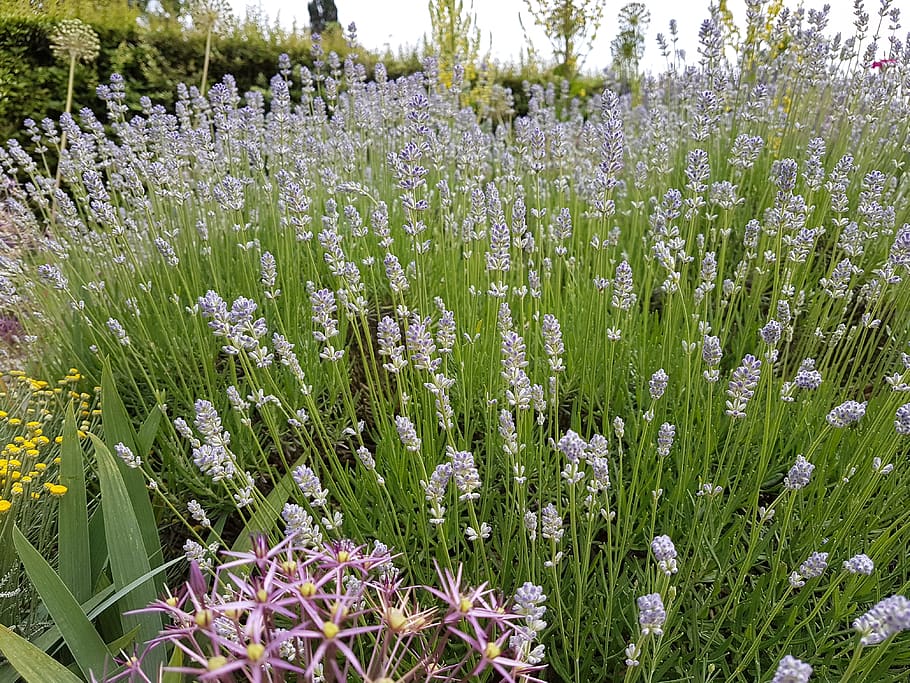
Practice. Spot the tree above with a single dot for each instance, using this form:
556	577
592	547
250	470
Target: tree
455	38
322	13
570	26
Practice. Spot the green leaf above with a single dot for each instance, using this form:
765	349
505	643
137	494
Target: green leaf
97	543
175	662
80	636
74	565
127	552
33	665
123	641
264	515
118	429
148	431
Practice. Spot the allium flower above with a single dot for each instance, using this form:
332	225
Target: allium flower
665	554
74	39
651	614
859	564
886	618
799	475
792	670
846	413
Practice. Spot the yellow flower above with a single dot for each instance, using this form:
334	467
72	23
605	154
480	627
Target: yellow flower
42	440
56	490
33	425
5	505
17	489
58	439
35	495
3	414
26	479
15	421
32	452
40	466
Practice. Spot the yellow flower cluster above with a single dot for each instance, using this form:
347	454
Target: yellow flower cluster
29	458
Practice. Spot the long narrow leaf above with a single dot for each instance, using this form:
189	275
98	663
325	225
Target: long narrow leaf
33	665
81	638
117	429
145	439
264	515
74	565
128	555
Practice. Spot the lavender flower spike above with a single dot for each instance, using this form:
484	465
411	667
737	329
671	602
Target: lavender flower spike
792	670
886	618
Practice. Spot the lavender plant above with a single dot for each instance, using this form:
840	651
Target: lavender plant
652	360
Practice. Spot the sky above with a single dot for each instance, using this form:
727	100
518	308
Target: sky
396	23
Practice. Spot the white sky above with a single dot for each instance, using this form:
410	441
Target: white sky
396	23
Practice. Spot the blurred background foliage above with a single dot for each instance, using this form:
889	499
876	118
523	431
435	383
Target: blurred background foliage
156	44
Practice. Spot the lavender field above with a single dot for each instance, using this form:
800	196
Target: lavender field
360	382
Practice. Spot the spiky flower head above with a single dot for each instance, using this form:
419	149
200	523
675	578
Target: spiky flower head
72	38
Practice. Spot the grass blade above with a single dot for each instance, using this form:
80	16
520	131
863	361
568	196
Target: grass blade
145	439
128	555
33	665
81	638
117	429
74	565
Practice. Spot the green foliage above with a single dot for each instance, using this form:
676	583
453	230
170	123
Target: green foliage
571	27
322	14
454	38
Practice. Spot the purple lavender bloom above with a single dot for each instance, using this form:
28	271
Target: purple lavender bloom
407	433
799	475
651	614
657	385
572	446
807	377
859	564
885	619
665	554
902	420
465	474
742	386
770	333
792	670
665	436
847	413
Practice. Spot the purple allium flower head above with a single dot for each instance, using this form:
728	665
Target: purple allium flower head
799	475
651	614
846	413
883	620
859	564
792	670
